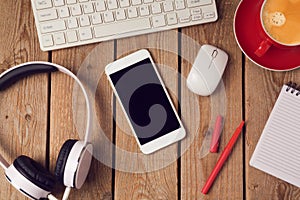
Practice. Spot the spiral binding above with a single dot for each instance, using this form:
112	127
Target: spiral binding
292	87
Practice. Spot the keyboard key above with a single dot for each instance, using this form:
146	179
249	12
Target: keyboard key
108	16
156	9
84	20
136	2
53	26
195	3
179	4
124	3
88	8
64	12
47	40
158	21
184	19
72	23
148	1
132	12
122	27
71	1
112	4
59	38
100	5
184	16
168	6
208	15
96	18
120	14
144	10
196	11
85	34
42	4
76	10
196	17
58	2
45	15
72	36
171	18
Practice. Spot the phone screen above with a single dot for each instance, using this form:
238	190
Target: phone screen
145	102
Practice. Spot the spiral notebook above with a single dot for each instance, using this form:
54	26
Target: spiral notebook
278	149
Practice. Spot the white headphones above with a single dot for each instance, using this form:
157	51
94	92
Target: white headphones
74	159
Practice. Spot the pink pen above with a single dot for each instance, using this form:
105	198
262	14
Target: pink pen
214	145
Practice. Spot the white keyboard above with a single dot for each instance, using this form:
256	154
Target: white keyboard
67	23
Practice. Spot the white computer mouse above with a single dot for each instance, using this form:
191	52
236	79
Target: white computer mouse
207	70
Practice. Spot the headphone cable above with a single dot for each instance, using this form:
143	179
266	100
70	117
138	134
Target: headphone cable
66	193
51	197
3	163
65	196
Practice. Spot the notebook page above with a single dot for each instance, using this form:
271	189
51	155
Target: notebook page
278	149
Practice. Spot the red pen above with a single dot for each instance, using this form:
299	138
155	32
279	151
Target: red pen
225	154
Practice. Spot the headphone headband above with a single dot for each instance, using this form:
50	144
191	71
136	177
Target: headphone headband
9	77
12	75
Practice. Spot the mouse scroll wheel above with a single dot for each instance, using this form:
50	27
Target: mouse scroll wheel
214	53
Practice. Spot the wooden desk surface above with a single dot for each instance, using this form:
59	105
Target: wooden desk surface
36	113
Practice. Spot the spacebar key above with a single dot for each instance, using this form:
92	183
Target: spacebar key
122	27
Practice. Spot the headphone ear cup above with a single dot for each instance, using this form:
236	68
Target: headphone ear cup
62	159
34	172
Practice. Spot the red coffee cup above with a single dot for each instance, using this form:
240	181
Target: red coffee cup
249	34
267	39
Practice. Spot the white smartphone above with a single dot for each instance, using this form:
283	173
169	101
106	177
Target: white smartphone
144	99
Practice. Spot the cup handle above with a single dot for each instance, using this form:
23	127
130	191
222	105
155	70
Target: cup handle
263	48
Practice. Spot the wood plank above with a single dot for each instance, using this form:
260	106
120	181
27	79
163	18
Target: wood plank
262	89
24	105
195	169
99	181
161	184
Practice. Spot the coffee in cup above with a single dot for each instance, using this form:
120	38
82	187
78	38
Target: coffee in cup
280	20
